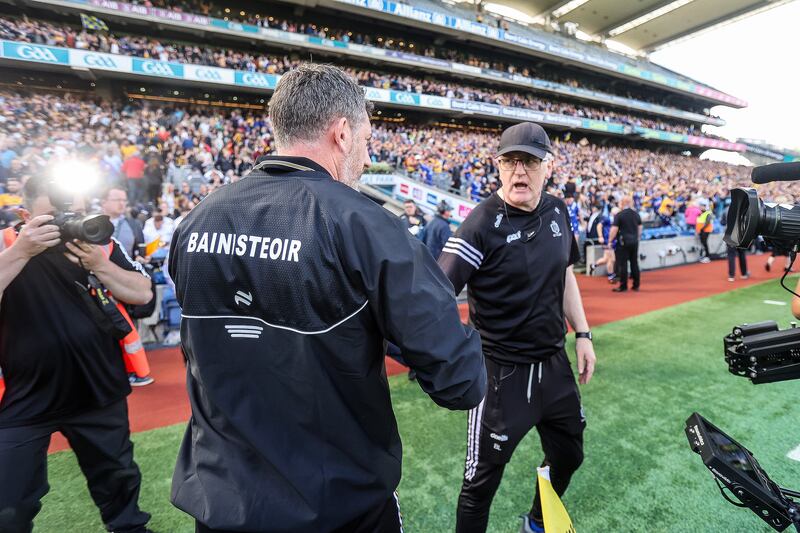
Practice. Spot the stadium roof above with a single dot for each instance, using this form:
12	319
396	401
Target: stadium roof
643	25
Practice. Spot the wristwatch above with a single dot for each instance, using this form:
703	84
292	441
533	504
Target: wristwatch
583	335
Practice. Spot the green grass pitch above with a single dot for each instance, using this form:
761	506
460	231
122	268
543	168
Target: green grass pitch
639	474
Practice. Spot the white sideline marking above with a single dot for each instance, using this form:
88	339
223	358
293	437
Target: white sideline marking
774	302
794	455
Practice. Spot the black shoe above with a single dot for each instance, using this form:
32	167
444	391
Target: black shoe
767	267
636	289
412	375
619	289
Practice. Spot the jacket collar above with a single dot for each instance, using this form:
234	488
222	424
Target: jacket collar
273	164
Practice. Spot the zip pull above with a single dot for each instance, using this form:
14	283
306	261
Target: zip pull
540	372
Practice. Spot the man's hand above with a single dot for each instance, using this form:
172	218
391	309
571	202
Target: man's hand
89	256
37	236
586	360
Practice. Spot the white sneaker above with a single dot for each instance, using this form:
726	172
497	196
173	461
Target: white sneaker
731	279
136	381
705	260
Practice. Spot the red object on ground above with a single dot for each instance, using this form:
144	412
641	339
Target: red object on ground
165	402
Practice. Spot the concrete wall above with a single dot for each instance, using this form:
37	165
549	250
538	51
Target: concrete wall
660	253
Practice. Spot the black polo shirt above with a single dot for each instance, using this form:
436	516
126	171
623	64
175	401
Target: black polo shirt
628	222
55	360
514	264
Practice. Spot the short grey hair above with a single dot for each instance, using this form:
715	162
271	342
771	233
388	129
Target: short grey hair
310	97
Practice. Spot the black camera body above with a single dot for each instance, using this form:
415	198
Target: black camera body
760	352
763	353
734	467
92	229
749	216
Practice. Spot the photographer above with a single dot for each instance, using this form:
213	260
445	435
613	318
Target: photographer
63	367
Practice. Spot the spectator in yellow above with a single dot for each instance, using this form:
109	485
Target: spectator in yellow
11	198
703	227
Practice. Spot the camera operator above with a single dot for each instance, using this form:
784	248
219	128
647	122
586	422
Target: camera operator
63	368
796	301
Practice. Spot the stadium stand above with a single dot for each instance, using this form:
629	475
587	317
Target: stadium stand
193	142
60	35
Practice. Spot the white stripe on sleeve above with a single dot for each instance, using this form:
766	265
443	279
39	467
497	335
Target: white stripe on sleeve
462	255
468	246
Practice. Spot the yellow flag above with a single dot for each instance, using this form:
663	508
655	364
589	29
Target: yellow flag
556	519
151	247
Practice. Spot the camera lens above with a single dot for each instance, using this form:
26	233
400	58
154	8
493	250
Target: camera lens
93	229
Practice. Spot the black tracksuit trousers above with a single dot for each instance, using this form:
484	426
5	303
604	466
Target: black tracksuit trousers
542	395
101	441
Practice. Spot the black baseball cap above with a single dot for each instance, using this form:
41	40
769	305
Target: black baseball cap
525	137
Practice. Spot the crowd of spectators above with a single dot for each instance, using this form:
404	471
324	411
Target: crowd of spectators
55	35
170	158
392	42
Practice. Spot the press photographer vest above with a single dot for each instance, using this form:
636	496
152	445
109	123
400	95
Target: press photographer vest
132	349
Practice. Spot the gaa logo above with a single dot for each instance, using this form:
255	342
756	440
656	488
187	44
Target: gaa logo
36	53
435	101
373	94
255	80
208	74
404	98
156	68
94	60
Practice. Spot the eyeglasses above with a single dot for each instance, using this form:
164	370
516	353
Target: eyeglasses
527	164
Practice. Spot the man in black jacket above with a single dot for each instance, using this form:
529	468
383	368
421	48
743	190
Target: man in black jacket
291	282
438	229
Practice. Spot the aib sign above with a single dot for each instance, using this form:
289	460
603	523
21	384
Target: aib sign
31	52
157	68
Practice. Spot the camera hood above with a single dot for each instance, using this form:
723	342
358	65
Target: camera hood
743	218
